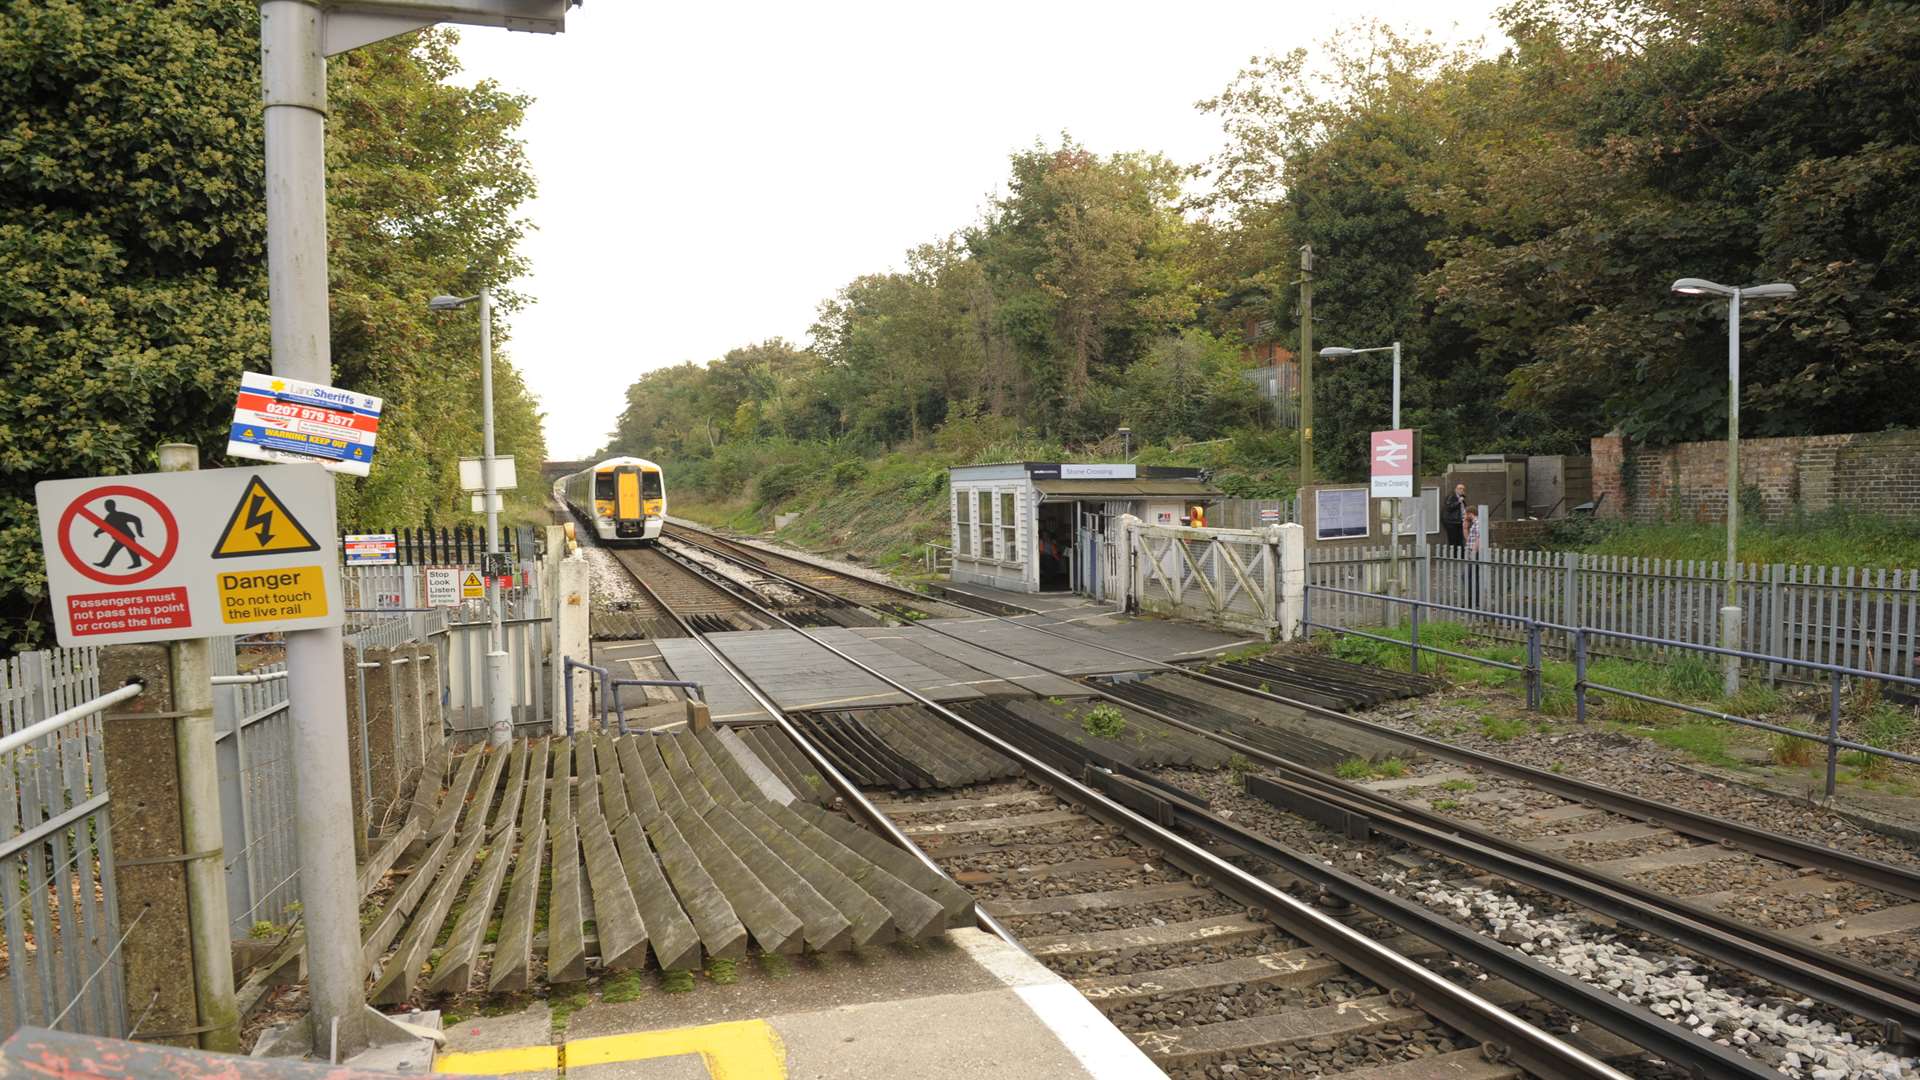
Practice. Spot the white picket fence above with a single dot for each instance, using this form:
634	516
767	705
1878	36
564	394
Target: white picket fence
1850	616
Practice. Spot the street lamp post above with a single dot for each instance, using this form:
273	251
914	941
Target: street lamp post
499	705
1126	444
1393	529
1730	612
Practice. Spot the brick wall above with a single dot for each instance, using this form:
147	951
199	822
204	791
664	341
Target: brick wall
1529	534
1876	473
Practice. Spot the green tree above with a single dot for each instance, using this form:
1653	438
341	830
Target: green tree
132	233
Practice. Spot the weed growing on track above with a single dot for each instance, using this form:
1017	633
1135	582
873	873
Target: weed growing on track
1446	805
1502	729
1458	785
1104	722
1353	769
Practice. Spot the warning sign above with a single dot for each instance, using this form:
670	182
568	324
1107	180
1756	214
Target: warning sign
472	587
443	587
257	596
260	525
145	558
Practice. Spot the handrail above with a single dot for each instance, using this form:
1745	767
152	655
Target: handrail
242	680
61	719
620	712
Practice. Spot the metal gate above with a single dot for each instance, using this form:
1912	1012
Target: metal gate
1227	577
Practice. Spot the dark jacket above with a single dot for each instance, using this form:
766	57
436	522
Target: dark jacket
1453	511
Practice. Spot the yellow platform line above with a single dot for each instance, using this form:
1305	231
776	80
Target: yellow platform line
736	1050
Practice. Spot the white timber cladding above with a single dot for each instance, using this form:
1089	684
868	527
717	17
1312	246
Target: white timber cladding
991	514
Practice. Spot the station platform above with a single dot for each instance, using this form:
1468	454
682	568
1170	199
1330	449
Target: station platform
963	1005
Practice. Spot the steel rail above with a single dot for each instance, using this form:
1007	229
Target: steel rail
848	790
1888	877
1874	995
1877	996
1535	1049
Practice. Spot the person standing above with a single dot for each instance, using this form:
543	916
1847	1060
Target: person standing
1472	537
1452	516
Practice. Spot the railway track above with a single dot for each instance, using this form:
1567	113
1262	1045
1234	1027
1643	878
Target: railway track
678	599
1881	999
831	585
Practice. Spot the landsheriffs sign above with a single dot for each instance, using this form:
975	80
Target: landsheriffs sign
280	419
190	554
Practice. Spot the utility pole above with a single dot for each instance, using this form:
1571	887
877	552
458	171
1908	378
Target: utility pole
296	37
294	81
1306	370
499	678
1730	612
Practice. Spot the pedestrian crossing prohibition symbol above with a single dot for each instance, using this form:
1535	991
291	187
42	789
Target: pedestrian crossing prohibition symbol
118	535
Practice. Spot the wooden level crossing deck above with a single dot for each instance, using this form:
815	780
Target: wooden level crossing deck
599	852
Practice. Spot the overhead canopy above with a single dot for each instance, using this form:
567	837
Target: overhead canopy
1126	489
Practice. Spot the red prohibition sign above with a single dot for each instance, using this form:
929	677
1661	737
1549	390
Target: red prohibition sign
154	562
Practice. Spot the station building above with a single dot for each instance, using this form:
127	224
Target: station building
1029	526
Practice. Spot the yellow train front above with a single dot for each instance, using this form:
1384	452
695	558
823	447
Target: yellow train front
620	499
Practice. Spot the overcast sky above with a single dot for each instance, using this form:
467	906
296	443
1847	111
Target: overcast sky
710	172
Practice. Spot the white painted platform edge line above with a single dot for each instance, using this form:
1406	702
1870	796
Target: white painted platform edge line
1084	1030
1086	1033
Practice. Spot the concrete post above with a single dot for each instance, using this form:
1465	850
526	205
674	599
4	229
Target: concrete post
150	871
356	728
572	592
200	828
699	717
1293	579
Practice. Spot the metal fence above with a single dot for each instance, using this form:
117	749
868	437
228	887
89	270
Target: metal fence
253	743
60	920
1581	642
1252	513
1798	616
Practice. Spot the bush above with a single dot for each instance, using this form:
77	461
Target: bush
848	473
778	483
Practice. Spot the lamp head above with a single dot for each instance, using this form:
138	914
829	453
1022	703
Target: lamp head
1332	351
1693	286
450	303
1778	290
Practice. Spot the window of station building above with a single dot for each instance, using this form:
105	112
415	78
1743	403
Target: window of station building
1009	528
986	524
963	523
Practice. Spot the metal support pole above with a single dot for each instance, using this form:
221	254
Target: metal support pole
200	829
499	678
1580	673
1306	369
1730	614
1414	636
1533	666
1833	734
294	86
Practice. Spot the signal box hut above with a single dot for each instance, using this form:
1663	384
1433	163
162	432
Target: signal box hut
1029	526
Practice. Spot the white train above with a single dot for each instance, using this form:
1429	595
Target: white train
620	499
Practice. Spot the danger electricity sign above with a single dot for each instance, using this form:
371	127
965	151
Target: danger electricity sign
190	554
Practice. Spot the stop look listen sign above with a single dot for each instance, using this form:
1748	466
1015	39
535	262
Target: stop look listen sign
162	556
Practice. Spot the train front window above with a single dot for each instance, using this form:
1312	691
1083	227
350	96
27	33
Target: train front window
603	486
649	485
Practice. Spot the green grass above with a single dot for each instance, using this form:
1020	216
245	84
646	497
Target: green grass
1703	739
676	982
1458	785
1501	729
1446	805
1353	769
1835	538
722	971
621	988
564	1006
